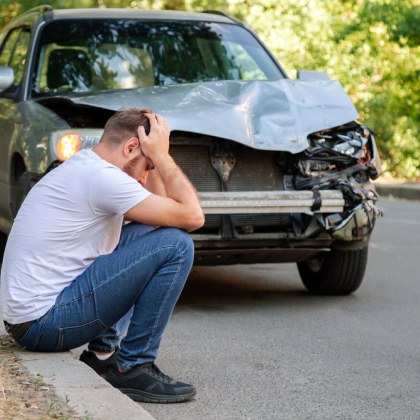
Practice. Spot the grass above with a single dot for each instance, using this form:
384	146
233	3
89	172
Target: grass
23	395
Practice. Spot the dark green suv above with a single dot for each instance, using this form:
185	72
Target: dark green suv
282	166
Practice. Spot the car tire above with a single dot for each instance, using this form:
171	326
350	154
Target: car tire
338	272
20	191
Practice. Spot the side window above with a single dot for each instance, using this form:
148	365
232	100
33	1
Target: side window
8	47
17	62
14	52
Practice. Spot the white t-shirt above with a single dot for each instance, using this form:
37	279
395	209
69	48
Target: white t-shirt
69	218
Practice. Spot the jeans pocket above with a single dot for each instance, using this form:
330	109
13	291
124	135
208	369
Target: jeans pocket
72	337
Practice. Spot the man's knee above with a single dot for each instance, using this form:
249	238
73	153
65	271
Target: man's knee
181	240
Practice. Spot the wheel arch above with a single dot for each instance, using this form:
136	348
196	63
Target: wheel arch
17	167
20	182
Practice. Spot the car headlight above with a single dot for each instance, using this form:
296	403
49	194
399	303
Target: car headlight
65	143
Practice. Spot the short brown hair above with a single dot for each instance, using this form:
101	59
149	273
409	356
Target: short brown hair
124	124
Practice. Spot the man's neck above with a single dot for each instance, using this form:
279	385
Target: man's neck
110	156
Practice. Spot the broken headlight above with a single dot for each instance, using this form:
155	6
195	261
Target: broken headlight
65	143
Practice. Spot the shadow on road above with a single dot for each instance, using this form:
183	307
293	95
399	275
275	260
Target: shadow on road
238	287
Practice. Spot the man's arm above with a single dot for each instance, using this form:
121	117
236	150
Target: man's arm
154	183
181	207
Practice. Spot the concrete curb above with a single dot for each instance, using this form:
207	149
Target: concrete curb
405	190
87	393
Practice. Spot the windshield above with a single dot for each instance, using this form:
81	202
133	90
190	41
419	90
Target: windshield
98	55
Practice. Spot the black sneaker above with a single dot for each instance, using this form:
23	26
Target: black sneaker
146	383
99	366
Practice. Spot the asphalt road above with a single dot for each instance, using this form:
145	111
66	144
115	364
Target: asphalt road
258	346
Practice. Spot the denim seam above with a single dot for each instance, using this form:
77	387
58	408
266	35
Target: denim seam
62	330
165	298
58	305
42	321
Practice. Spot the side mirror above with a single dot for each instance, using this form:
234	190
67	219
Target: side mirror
312	75
6	78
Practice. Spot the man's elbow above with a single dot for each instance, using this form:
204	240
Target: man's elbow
196	221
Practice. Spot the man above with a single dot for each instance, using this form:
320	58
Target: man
72	273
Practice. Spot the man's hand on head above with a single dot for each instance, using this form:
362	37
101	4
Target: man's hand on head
155	145
174	201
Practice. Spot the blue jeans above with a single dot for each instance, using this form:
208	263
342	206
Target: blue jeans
130	292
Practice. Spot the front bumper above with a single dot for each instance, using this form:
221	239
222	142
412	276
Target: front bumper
300	242
327	201
213	249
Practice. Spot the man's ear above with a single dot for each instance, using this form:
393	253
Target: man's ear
132	145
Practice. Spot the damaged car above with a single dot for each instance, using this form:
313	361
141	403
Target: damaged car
282	167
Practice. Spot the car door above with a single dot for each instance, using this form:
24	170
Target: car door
13	53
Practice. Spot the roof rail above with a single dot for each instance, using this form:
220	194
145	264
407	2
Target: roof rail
219	12
41	9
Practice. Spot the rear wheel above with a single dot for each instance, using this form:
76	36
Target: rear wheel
339	272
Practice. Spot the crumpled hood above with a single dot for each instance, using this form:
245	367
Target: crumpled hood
268	115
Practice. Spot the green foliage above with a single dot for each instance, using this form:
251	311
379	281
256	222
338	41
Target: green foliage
371	46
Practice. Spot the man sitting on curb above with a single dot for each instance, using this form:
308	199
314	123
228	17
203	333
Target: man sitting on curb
72	273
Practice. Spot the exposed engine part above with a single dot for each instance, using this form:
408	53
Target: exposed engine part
223	160
313	168
328	180
351	145
339	159
341	147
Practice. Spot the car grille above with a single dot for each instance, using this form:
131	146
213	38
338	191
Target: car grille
254	170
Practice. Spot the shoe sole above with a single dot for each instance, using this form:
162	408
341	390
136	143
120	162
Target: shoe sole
141	396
